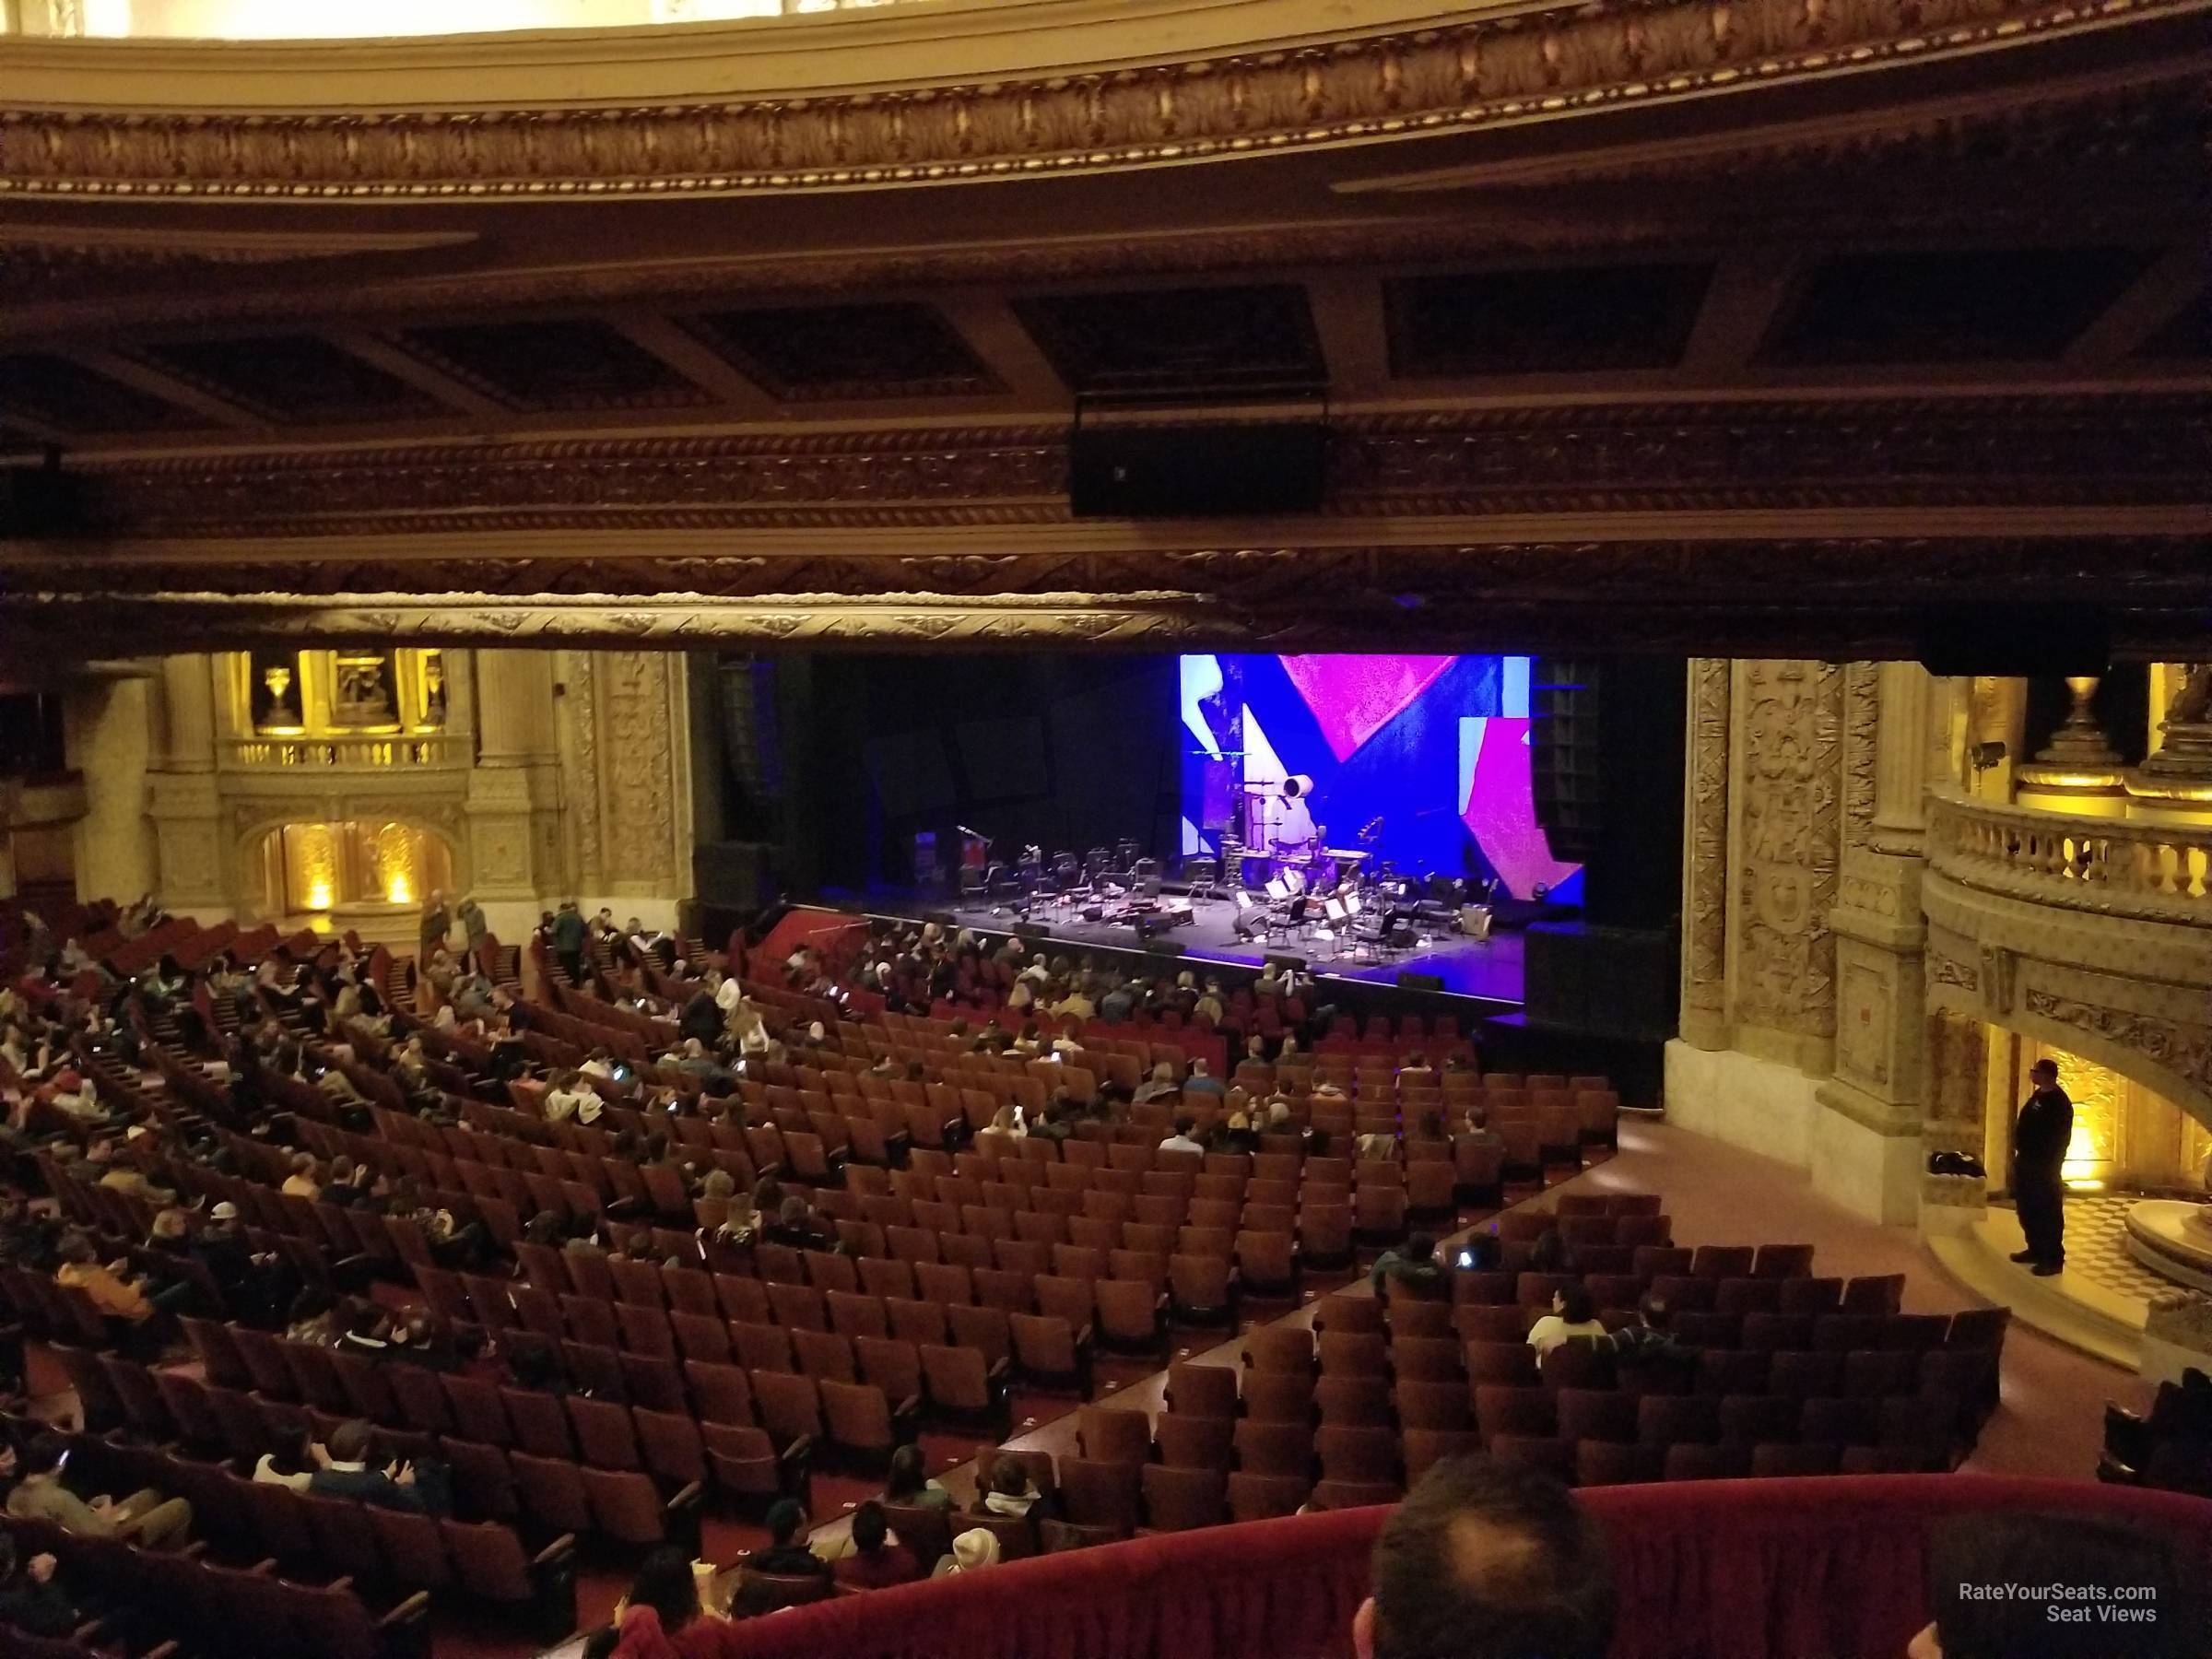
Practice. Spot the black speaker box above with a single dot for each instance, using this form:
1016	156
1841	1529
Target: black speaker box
38	503
1296	964
1420	981
1612	982
732	875
1029	930
2010	638
1194	469
1162	948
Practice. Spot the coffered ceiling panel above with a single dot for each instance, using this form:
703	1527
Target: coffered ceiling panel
554	363
1983	305
293	377
1181	340
1573	320
822	353
58	393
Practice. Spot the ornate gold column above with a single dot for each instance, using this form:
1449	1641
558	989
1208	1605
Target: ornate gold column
109	729
624	726
182	795
1705	857
514	790
1788	835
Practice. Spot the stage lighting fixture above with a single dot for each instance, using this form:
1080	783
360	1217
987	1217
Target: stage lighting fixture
1297	784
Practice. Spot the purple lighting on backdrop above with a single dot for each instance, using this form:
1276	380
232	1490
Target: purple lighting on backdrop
1423	761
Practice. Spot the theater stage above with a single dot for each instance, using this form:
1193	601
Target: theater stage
1484	972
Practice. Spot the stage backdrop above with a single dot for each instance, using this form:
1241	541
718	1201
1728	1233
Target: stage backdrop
1422	760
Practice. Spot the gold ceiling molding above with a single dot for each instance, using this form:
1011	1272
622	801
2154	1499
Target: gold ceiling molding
1838	596
1493	71
171	244
2124	450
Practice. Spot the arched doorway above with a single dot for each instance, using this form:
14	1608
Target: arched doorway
362	873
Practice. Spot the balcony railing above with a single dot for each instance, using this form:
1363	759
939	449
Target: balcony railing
365	754
2155	872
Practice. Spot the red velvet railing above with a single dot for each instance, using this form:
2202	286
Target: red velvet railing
1820	1568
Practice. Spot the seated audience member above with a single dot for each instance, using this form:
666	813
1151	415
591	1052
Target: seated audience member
1649	1339
972	1551
114	1295
1161	1083
1008	1490
877	1559
1202	1081
302	1181
293	1467
787	1551
1414	1268
1007	1124
908	1482
1570	1316
1183	1139
346	1471
1548	1253
660	1618
1234	1134
1487	1560
798	1228
145	1517
2075	1564
31	1598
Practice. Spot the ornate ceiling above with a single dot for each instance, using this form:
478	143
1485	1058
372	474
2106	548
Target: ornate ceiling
1765	327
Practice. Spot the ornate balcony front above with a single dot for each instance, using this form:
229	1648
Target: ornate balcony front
367	754
2153	872
2091	934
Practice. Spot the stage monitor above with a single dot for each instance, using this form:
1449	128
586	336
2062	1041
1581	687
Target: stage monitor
1420	981
1296	964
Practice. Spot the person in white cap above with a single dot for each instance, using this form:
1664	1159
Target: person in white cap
972	1551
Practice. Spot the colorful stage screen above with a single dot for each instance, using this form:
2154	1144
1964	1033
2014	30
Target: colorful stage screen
1423	761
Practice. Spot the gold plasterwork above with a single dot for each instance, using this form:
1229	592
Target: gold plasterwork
1494	71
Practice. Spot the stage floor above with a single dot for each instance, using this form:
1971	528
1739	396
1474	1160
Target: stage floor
1486	970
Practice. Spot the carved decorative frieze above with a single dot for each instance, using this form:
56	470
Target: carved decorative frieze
578	672
1861	715
1994	452
1790	844
1705	902
1949	971
2184	1051
638	715
1503	69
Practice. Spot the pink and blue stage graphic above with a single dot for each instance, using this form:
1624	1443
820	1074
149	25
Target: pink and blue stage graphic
1420	760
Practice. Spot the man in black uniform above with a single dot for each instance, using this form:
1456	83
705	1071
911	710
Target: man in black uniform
2040	1138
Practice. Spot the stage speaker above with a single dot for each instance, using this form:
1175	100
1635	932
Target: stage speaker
1094	913
1609	982
1296	964
1162	948
1029	930
731	875
1197	469
1410	981
1566	755
2015	640
39	502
